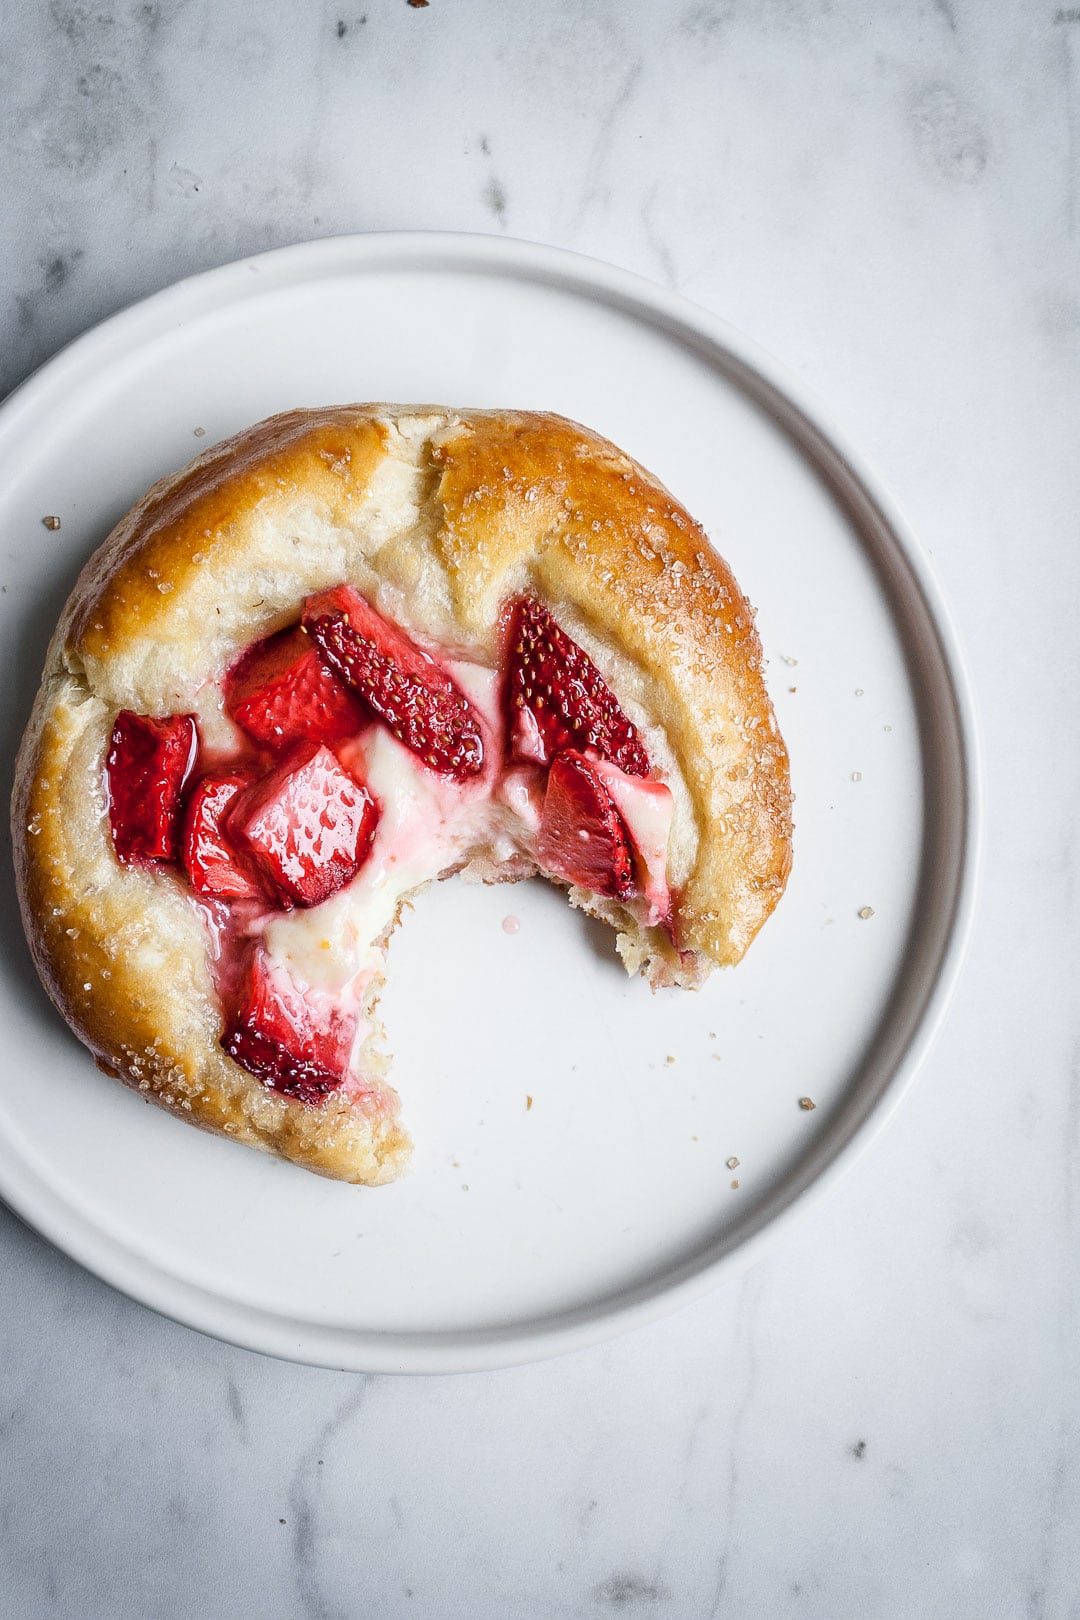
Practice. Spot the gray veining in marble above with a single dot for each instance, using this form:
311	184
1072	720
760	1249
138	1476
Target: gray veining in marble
882	1420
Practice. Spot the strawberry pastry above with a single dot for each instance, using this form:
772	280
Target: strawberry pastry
341	655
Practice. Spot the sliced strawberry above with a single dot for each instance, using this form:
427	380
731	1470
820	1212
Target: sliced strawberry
295	1042
282	694
210	858
308	825
397	680
559	699
146	767
582	838
645	808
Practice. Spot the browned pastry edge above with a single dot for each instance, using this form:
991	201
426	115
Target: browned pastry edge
520	501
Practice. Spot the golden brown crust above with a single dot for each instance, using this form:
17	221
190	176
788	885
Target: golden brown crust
598	535
123	954
443	515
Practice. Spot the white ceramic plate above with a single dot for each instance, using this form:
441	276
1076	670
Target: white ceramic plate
520	1231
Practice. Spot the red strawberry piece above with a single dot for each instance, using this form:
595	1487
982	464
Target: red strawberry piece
297	1043
582	837
282	693
559	699
211	860
147	764
397	680
308	825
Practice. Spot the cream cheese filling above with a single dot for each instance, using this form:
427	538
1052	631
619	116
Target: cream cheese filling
427	825
430	825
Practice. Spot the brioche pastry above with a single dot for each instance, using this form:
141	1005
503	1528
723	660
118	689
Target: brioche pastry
340	655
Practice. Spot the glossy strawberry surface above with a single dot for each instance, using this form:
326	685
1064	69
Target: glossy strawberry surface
211	860
558	699
281	692
397	680
147	764
307	825
295	1043
582	838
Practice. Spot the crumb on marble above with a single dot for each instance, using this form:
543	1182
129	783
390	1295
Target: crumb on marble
669	1058
528	1102
52	521
866	912
807	1104
787	659
732	1163
735	1185
200	433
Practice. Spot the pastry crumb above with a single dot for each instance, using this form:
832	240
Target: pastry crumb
866	912
735	1185
200	433
52	521
510	925
732	1163
806	1104
856	776
528	1102
787	659
669	1058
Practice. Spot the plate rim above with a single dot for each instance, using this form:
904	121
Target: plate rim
30	1196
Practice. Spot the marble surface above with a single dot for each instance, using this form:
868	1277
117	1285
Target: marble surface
883	1418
